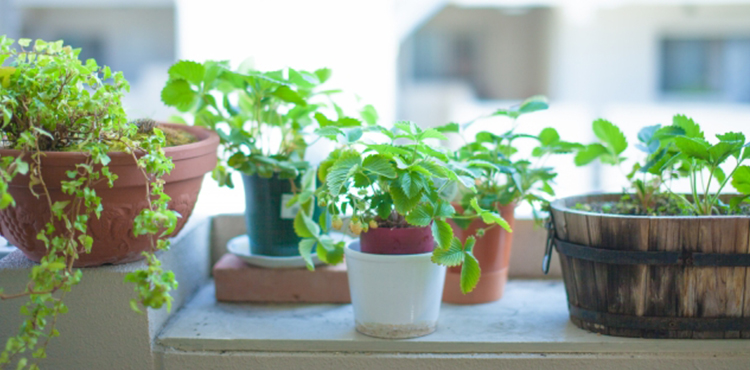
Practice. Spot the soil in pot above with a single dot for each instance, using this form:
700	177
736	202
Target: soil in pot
492	250
114	241
270	223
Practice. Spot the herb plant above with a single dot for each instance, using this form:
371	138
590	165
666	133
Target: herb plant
677	151
50	101
501	176
261	117
401	183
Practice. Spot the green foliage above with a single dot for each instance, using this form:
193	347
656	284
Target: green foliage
502	177
51	101
673	152
249	109
401	183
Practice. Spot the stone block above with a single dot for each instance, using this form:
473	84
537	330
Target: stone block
236	281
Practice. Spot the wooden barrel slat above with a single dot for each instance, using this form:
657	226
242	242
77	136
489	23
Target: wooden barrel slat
565	261
663	281
585	278
688	301
654	290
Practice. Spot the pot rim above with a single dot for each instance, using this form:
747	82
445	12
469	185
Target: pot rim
207	141
350	252
559	205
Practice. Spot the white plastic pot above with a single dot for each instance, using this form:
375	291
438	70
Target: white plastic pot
394	296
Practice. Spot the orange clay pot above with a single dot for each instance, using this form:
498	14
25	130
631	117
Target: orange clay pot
114	242
493	253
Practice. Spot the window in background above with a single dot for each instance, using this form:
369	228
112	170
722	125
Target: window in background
443	55
717	69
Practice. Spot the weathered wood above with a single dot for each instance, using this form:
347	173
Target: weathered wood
566	262
714	289
600	269
654	290
585	277
626	284
687	293
662	284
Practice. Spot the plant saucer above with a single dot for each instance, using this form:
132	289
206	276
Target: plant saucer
240	247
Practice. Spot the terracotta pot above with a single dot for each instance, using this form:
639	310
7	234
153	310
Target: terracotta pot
493	253
114	242
409	240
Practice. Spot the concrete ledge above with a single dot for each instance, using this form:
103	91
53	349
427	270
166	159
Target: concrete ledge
177	360
532	317
100	331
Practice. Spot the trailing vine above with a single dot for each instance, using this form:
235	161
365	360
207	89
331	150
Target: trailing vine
51	101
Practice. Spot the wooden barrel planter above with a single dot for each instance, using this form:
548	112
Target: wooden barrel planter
654	277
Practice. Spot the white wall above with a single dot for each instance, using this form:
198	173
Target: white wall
356	39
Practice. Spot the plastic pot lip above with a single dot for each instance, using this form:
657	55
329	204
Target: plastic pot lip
352	252
559	206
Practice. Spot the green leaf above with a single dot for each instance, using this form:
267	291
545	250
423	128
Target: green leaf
188	70
380	165
450	127
442	232
741	179
341	170
177	93
403	204
421	215
305	250
431	134
589	154
323	74
332	257
470	273
692	129
533	104
6	200
300	227
451	256
610	135
369	114
288	95
58	207
549	136
692	148
494	218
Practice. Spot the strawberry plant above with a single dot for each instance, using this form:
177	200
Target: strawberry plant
503	174
401	183
679	151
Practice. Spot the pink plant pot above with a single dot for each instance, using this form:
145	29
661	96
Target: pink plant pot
409	240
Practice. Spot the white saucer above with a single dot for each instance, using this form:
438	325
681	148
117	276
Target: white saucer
240	247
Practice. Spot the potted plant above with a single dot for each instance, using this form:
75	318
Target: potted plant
654	262
397	195
262	119
82	186
503	181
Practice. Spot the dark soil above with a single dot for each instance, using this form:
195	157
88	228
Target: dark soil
394	221
663	205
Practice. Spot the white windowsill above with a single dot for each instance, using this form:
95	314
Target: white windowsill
532	317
